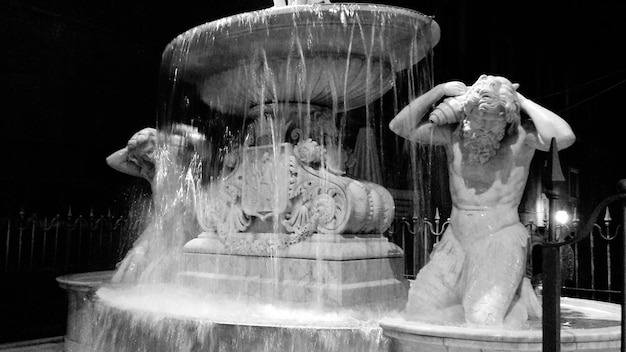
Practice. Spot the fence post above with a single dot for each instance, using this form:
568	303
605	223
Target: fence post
8	243
551	325
622	190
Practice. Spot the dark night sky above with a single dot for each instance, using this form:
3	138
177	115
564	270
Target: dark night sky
80	77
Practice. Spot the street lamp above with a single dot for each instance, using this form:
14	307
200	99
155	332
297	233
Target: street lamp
562	217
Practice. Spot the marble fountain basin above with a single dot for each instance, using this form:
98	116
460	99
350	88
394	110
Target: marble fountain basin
344	55
586	326
95	307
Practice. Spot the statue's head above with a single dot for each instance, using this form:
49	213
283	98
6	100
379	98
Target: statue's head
491	108
141	151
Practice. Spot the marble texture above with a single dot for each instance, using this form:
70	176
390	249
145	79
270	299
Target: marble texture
81	289
343	65
330	271
50	344
602	334
318	246
154	332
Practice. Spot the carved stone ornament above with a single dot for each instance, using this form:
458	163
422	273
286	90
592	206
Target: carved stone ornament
283	193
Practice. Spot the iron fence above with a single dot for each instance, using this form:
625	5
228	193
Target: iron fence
65	244
36	249
597	263
416	237
591	268
69	244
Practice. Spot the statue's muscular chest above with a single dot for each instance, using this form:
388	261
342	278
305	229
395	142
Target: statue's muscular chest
500	174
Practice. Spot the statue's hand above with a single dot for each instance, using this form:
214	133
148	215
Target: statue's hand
454	88
450	110
147	134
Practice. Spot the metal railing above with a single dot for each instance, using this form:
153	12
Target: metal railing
64	244
69	244
417	238
553	244
589	268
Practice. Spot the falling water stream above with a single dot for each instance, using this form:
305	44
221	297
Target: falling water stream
249	105
274	171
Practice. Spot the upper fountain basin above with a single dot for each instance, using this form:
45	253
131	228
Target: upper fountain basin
339	56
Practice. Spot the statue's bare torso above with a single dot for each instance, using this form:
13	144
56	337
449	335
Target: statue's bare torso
481	258
475	273
486	197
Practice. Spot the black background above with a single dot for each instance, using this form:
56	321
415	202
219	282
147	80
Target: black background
80	77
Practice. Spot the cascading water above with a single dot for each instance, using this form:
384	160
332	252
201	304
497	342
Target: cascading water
259	239
269	174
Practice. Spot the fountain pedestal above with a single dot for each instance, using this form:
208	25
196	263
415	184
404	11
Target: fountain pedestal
281	220
280	227
327	271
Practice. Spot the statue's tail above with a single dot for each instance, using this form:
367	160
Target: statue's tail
529	299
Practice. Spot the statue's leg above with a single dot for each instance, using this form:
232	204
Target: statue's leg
435	295
525	305
495	268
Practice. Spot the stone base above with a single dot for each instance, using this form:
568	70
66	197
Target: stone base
328	271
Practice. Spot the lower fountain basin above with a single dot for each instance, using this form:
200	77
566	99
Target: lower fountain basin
104	317
175	318
587	326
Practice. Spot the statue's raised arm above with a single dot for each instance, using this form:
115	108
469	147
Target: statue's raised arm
489	149
547	124
137	158
409	124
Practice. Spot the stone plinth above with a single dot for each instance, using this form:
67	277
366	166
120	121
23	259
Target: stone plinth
329	271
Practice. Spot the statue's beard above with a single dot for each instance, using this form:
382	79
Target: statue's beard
481	145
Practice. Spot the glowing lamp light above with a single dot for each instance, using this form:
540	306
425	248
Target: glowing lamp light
561	217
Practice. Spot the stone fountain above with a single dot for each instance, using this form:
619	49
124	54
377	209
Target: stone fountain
282	199
250	153
259	239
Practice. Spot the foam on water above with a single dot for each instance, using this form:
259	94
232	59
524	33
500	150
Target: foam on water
167	317
185	303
